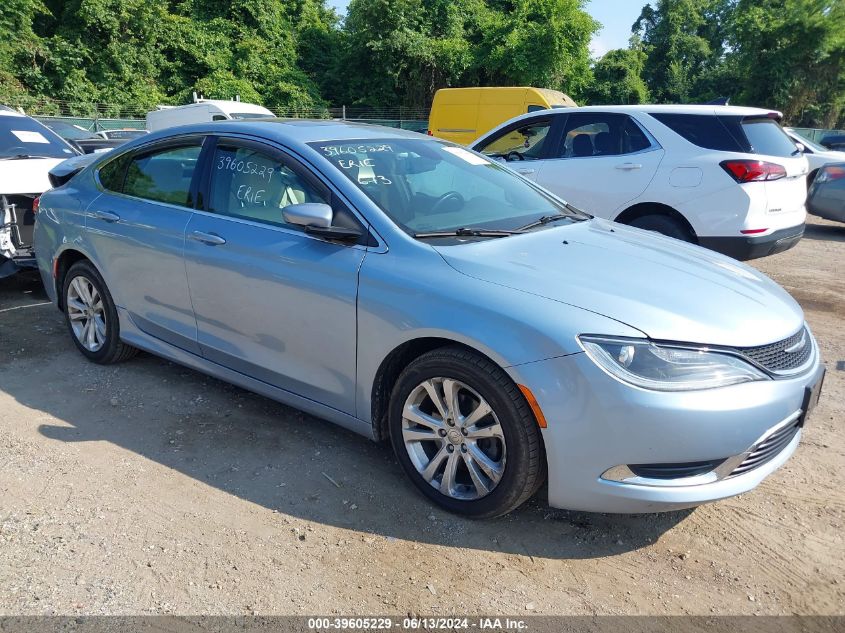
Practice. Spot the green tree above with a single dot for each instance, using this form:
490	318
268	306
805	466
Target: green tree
106	51
790	55
683	40
399	52
541	43
617	78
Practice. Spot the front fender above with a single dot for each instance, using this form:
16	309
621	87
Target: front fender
403	299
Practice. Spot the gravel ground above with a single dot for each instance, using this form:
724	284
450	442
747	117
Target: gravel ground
148	488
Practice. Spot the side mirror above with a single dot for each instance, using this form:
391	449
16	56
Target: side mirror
801	147
314	214
316	217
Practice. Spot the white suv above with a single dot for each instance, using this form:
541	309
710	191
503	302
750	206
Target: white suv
28	151
724	177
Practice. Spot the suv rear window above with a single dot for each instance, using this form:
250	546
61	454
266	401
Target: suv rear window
704	130
749	135
767	137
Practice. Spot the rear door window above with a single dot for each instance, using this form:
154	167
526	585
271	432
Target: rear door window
112	173
767	137
590	134
163	175
634	139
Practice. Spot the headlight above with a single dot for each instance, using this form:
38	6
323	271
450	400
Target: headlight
665	367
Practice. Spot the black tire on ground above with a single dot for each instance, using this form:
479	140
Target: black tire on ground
525	462
113	350
665	225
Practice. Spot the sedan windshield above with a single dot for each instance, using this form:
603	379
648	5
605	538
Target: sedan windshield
23	137
429	186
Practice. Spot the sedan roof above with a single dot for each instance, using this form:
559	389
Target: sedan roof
292	130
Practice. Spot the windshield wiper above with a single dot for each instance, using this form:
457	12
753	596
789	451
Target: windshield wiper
23	157
575	214
465	232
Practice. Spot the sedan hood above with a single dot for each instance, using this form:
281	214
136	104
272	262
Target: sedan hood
27	175
665	288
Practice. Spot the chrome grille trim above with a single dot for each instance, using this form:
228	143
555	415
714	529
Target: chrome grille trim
790	356
768	448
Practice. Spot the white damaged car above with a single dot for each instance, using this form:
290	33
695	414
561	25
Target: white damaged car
28	151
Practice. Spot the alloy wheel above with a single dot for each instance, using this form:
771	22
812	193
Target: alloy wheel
86	313
454	439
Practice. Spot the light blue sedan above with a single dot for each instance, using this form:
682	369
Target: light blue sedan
409	289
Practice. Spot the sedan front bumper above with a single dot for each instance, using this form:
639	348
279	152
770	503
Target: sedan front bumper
599	426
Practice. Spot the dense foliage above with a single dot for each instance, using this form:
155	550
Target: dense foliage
76	55
785	54
286	54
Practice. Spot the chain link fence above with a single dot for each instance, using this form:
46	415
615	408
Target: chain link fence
98	116
817	134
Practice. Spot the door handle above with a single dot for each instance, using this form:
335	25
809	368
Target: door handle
629	166
525	171
108	216
207	238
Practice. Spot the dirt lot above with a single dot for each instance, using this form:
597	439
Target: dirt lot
147	488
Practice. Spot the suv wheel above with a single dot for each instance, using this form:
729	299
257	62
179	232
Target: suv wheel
664	224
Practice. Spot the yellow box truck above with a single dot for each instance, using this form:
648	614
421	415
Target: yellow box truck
463	114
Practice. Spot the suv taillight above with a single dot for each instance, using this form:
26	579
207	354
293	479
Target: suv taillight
753	170
35	204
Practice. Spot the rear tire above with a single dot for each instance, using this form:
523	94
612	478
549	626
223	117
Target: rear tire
479	465
91	316
665	225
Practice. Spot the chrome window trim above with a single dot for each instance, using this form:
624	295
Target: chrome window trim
637	153
274	227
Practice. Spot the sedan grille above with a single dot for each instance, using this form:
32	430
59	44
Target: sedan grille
783	356
768	448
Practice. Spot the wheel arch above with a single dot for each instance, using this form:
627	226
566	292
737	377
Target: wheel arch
63	262
394	363
642	209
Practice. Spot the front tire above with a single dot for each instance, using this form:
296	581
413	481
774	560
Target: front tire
91	316
465	435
